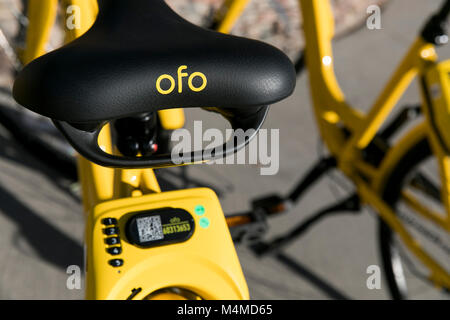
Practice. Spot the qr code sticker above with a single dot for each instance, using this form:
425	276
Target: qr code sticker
150	228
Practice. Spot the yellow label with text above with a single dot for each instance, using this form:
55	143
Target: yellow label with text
170	228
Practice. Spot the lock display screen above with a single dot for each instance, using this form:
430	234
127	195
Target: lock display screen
160	227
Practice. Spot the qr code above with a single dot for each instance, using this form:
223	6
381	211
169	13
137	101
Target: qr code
150	228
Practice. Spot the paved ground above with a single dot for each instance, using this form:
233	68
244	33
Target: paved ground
41	225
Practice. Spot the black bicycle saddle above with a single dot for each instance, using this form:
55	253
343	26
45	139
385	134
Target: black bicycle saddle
140	56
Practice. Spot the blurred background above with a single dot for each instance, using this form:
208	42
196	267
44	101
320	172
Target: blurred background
41	220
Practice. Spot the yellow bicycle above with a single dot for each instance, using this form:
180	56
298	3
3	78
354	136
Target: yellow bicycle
401	174
104	90
389	167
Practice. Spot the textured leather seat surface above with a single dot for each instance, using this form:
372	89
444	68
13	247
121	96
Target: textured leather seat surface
140	56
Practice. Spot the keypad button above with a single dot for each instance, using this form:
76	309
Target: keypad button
116	262
109	221
111	231
112	241
114	250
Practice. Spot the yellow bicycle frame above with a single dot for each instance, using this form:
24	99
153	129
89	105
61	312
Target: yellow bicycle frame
332	111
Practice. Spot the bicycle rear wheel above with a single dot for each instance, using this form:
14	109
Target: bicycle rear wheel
415	174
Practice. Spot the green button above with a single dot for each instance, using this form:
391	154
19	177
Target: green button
199	210
204	222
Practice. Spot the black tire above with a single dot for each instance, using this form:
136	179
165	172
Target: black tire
391	194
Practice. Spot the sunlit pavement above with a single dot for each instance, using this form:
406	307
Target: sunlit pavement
41	225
